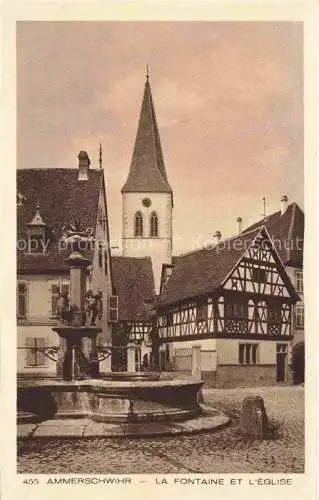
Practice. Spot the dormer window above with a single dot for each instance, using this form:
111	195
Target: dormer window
37	233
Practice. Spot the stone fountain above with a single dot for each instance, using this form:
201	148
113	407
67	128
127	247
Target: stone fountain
113	404
77	358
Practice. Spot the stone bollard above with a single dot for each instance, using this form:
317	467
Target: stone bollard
197	369
131	358
253	418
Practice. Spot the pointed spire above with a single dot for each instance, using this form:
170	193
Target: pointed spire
147	170
100	156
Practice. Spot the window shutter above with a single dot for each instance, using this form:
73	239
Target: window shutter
241	353
65	287
39	356
30	354
54	291
113	309
22	298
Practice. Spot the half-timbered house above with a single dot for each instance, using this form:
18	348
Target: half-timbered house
286	228
234	299
134	292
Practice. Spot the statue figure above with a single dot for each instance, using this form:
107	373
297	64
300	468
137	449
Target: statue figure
93	306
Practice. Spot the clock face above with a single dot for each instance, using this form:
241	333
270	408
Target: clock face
146	202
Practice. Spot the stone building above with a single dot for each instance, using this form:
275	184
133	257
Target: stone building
49	202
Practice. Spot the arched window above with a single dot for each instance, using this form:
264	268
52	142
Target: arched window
138	224
154	225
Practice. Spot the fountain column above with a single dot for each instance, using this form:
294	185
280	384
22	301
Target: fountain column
77	353
131	357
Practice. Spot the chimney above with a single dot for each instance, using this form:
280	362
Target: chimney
217	237
239	221
84	165
283	204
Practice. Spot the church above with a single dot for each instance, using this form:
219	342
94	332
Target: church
237	299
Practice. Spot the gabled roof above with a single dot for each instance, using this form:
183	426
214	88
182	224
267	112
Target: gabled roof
287	233
204	271
133	282
62	199
147	170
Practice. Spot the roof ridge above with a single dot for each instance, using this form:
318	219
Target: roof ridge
291	225
241	235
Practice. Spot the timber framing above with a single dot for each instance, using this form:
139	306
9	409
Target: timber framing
253	301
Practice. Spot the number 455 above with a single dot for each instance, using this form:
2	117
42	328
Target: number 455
31	481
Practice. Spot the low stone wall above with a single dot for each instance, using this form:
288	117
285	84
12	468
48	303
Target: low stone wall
247	375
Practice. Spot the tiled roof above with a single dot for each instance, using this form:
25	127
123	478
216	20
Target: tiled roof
147	170
133	282
203	271
62	199
287	233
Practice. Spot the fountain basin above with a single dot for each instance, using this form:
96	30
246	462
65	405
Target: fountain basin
110	400
130	376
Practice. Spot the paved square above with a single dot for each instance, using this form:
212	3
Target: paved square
224	451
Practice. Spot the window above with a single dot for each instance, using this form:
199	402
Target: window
274	313
138	225
100	254
259	275
113	309
57	288
154	225
201	312
22	299
236	310
35	356
248	354
299	316
36	243
299	281
169	319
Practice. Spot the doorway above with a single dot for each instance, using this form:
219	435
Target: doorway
282	352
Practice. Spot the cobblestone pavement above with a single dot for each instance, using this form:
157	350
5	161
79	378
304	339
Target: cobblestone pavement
223	451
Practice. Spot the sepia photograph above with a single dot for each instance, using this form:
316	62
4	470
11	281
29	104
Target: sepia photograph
160	249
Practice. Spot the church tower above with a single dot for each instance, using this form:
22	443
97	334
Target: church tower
147	196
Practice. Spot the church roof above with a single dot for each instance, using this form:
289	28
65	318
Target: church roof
287	233
203	271
133	282
147	170
62	200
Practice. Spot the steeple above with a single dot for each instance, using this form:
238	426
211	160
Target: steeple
147	170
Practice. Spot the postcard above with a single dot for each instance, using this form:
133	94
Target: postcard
161	249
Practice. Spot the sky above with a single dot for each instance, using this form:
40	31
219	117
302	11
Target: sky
228	98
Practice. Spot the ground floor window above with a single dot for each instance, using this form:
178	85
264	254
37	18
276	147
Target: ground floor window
56	290
248	354
22	299
299	316
34	355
